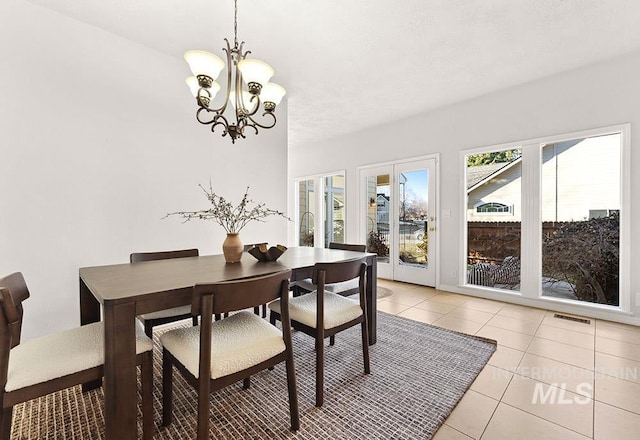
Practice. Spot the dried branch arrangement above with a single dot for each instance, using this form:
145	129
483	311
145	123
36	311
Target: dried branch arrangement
231	217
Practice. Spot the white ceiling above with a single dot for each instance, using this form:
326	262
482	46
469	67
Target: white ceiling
350	64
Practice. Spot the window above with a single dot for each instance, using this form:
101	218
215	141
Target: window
306	218
334	209
493	244
562	199
580	241
320	221
379	194
493	207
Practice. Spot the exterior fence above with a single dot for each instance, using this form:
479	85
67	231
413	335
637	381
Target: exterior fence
492	242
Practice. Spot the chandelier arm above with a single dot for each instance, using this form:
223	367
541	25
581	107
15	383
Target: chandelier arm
256	106
215	123
220	110
216	119
256	123
252	125
240	108
205	111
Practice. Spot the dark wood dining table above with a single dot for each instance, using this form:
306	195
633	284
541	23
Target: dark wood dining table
123	291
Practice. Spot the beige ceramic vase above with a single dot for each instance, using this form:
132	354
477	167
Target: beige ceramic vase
232	248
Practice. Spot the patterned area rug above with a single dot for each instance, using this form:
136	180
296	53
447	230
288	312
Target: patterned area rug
418	374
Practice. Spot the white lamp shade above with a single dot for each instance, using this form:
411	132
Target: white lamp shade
272	92
192	83
204	63
255	71
246	97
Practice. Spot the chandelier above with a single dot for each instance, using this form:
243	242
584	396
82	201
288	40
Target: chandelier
260	95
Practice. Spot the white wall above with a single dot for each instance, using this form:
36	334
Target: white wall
98	141
595	96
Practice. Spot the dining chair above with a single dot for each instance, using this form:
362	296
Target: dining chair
264	306
57	361
323	314
152	319
217	354
345	289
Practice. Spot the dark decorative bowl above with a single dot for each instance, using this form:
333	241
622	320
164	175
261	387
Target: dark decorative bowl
261	253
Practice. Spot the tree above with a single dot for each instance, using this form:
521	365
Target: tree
586	254
494	157
377	244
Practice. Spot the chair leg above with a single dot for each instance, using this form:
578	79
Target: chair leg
332	340
146	371
365	346
294	412
203	409
167	389
272	318
256	310
194	320
319	370
5	423
246	383
264	310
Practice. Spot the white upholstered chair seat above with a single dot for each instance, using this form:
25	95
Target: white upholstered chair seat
337	309
59	354
176	311
238	342
306	284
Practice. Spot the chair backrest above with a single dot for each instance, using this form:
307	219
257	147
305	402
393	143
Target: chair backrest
245	293
329	273
348	247
138	257
14	291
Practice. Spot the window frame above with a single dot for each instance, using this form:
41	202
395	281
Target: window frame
531	218
508	212
318	210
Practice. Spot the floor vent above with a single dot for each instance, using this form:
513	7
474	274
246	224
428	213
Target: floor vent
572	318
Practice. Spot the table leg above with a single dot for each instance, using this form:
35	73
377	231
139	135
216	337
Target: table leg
372	300
89	312
120	387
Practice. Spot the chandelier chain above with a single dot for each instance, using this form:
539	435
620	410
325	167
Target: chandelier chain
235	23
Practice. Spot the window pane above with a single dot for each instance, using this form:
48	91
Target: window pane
412	232
378	206
305	214
494	181
334	208
492	207
580	219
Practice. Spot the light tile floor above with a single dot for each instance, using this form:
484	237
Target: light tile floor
549	378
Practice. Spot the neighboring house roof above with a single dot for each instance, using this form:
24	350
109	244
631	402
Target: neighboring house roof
477	175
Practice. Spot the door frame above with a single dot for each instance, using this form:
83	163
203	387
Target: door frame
362	217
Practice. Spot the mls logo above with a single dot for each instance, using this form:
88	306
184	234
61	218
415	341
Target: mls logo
557	394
